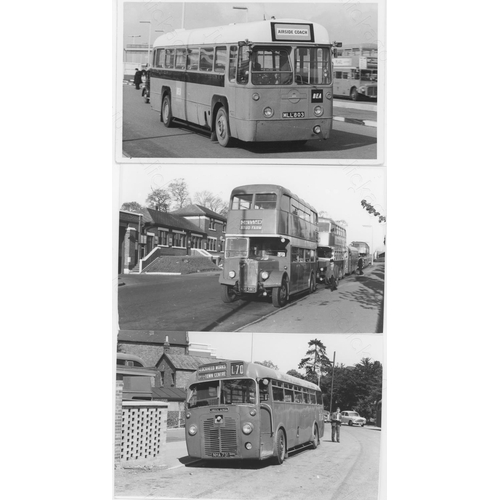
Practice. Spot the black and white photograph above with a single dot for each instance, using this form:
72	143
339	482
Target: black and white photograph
248	416
258	249
280	81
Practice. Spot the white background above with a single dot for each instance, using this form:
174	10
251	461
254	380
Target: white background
442	271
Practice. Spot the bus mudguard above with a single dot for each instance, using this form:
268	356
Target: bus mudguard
217	102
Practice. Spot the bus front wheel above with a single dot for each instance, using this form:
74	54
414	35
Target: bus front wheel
315	442
354	94
279	295
227	294
280	447
312	284
222	127
166	111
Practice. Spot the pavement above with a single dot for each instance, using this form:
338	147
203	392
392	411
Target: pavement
355	307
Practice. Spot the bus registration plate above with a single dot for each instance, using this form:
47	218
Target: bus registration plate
249	289
222	454
294	114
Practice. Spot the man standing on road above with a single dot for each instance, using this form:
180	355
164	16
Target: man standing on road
360	265
138	78
336	423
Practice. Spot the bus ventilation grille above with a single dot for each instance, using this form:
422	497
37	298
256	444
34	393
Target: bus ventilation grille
220	439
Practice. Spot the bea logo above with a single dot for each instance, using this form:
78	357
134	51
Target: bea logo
317	96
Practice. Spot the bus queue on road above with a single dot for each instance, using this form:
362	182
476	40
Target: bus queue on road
276	245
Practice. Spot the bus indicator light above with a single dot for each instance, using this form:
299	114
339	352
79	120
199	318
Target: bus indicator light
255	96
248	446
268	112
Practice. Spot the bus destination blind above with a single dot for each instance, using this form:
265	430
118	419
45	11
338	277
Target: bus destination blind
292	32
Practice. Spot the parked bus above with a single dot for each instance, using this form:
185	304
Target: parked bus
352	260
271	241
363	251
356	72
242	410
259	81
331	245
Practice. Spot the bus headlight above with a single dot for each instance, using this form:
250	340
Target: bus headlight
328	95
268	112
193	430
318	110
255	96
248	446
317	129
232	274
247	428
321	269
264	275
362	90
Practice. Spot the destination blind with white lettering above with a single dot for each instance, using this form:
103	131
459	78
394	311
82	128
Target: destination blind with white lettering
212	371
292	32
252	224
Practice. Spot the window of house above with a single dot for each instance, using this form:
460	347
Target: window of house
212	224
162	237
179	240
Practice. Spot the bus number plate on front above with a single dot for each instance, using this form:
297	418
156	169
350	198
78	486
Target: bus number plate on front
294	114
222	454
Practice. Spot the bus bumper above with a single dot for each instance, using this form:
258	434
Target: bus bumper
282	130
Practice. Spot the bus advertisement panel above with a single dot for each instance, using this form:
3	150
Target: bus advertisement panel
258	81
242	410
271	244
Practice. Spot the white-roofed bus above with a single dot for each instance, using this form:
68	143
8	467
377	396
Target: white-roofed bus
243	410
259	81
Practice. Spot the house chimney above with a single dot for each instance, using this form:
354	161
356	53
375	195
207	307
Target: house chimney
166	346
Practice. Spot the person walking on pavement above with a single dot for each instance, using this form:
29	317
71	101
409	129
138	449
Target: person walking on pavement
336	423
360	265
138	78
330	275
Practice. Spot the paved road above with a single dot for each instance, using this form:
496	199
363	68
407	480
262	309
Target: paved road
192	303
144	136
334	471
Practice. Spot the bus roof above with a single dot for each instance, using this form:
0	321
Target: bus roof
254	370
256	32
265	188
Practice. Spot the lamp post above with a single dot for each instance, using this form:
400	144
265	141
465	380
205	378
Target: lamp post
371	241
245	9
149	38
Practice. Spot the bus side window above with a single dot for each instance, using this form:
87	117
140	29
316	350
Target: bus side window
206	58
338	74
243	65
220	59
169	59
180	59
192	58
345	75
233	56
278	391
160	57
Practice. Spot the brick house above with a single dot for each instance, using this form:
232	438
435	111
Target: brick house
210	222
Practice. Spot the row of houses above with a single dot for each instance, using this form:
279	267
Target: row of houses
148	233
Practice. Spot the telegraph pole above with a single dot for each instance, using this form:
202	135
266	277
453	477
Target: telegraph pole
331	392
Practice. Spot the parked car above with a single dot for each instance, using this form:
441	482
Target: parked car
351	418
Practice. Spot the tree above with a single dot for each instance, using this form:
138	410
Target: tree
315	362
295	373
179	193
373	211
131	206
269	364
209	200
159	199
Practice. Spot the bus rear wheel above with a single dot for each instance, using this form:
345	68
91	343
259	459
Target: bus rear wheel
279	294
222	127
280	447
166	111
227	294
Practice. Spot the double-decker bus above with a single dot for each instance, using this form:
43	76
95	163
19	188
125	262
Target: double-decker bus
260	81
271	241
356	72
363	250
331	245
242	410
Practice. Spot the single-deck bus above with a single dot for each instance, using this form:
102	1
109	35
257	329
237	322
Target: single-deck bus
271	241
331	245
260	81
242	410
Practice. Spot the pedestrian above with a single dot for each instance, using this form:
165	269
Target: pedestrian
336	423
360	265
331	275
138	78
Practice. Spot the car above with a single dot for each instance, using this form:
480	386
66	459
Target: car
351	418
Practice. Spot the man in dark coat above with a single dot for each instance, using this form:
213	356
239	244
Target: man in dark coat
138	78
360	265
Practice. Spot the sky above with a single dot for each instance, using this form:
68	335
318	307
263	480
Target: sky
336	190
287	349
347	21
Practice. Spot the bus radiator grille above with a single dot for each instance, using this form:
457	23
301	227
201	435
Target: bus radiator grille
220	439
371	91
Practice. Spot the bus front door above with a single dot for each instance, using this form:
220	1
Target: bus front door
266	431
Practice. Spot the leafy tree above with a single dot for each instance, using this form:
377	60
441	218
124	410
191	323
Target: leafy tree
179	193
159	199
315	362
295	373
269	364
131	206
373	211
324	214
